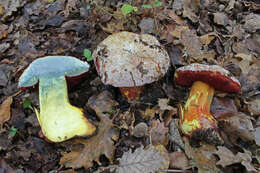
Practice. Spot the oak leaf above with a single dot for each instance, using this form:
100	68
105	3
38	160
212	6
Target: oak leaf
143	160
94	147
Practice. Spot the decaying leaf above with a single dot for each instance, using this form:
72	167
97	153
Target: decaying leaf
238	126
103	102
179	160
254	107
5	110
143	160
192	44
227	158
257	136
94	147
202	157
159	133
174	134
223	107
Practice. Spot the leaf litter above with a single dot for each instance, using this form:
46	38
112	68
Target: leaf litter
209	32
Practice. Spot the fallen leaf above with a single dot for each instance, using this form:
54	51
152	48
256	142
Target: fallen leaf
228	158
254	107
221	18
159	133
174	134
223	107
202	157
252	22
176	32
94	147
147	160
5	110
238	126
103	102
207	38
4	167
257	136
179	160
192	44
163	104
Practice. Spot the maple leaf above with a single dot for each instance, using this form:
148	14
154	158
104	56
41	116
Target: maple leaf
5	108
94	147
143	160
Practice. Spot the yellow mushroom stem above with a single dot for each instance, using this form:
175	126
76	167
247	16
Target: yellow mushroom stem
196	120
59	120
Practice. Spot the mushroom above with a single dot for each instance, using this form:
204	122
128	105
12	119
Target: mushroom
196	120
129	61
59	120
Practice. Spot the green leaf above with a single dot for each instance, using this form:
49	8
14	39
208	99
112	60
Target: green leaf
27	104
147	6
87	54
12	132
157	3
111	111
88	7
127	9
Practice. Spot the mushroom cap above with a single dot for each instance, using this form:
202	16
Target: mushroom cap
50	66
127	59
214	75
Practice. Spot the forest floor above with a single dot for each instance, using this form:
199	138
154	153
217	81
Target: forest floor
141	135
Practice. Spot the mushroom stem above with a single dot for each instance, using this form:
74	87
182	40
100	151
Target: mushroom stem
69	121
131	93
196	120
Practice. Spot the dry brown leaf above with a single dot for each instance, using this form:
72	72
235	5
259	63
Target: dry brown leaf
254	107
159	133
202	157
179	160
103	102
223	107
149	112
176	32
147	160
94	147
175	17
228	158
207	38
239	126
5	110
192	44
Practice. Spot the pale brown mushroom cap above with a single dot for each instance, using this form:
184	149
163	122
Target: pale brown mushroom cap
126	59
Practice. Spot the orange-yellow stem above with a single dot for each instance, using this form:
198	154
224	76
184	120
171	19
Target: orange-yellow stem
195	117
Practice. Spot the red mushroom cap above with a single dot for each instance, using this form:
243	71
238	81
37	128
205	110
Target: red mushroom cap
214	75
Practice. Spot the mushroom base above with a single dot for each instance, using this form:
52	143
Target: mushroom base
131	93
196	120
59	120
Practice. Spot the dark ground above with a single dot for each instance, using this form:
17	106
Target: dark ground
212	32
